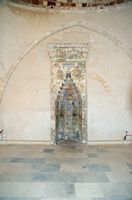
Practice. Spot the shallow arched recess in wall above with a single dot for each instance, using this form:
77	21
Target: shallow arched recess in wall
25	107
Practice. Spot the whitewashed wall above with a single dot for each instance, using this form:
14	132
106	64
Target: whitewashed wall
25	104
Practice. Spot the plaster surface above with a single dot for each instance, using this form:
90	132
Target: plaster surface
25	70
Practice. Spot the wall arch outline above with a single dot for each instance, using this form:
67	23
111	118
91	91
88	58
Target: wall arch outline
63	27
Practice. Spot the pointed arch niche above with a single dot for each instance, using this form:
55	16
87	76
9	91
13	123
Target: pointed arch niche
68	92
68	112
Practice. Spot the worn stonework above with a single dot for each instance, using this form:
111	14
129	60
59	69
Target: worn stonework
68	59
101	80
70	3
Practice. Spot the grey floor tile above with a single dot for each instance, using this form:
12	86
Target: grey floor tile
43	177
64	160
119	176
98	173
101	177
85	177
66	198
37	166
113	198
65	177
128	188
51	168
46	167
4	159
114	190
73	168
59	190
92	177
28	160
35	190
88	190
15	177
17	198
15	189
99	168
129	165
48	150
92	155
102	150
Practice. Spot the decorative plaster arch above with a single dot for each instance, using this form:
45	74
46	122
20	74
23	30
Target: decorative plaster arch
85	25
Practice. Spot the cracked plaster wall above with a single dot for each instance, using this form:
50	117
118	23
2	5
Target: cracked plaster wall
25	110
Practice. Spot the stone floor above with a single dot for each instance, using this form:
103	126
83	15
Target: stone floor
38	172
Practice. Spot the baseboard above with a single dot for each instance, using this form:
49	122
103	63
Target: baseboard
22	142
109	142
91	142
